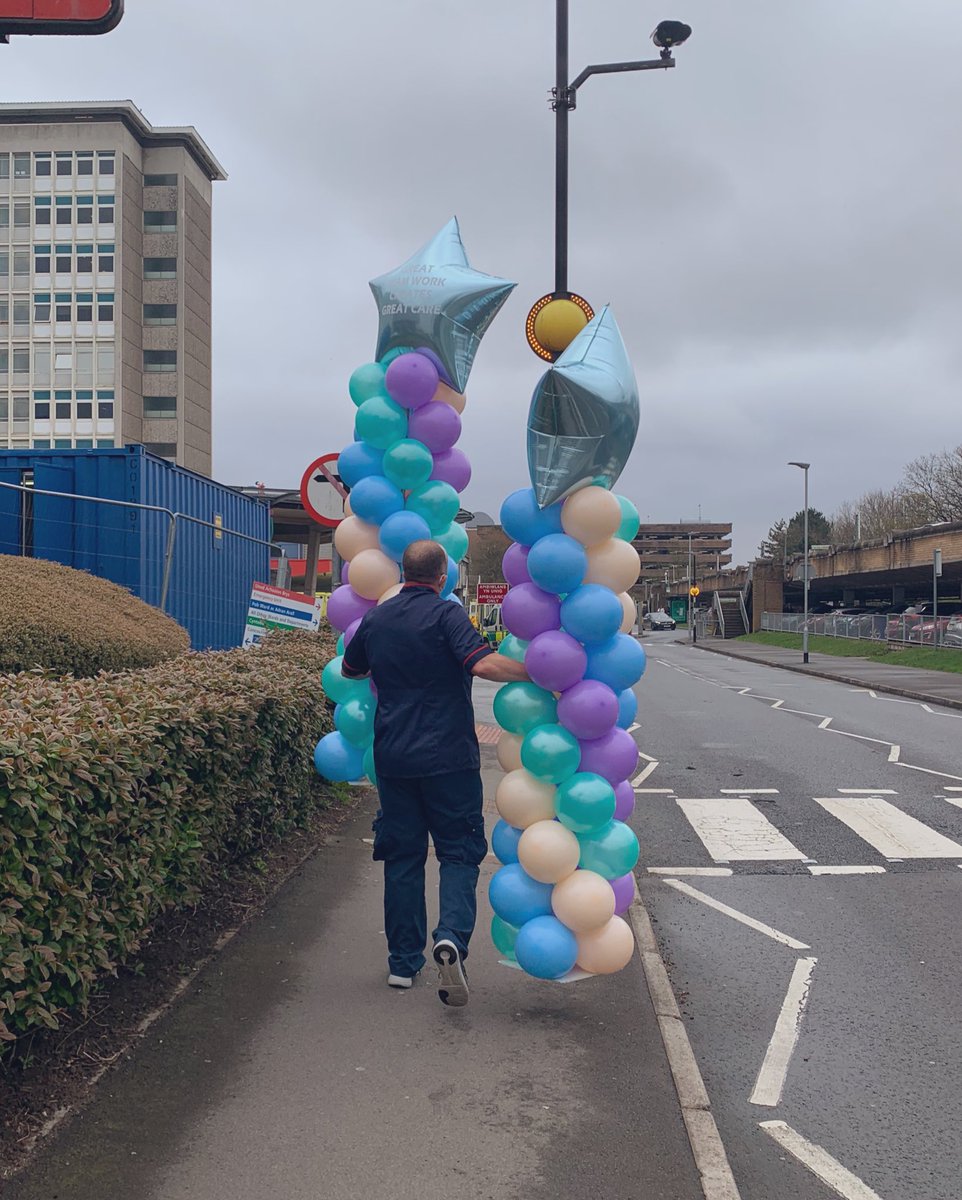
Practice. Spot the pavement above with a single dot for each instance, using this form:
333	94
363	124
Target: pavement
290	1070
915	683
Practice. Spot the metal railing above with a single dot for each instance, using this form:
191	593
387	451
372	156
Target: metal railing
903	629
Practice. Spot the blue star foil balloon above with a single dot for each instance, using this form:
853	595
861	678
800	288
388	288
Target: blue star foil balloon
437	303
584	414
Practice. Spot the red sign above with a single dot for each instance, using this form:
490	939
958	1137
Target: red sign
322	492
59	16
492	593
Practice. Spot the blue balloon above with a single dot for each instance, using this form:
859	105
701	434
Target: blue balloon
545	948
504	842
451	582
525	522
619	662
337	760
375	498
557	563
455	600
399	530
357	461
627	708
518	898
591	613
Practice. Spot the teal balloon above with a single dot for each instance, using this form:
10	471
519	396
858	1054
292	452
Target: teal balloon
519	707
550	752
339	648
339	689
367	381
611	851
585	803
513	647
408	463
504	937
380	422
355	720
454	539
630	520
369	770
386	359
436	501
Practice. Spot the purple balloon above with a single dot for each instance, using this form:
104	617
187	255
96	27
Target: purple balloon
624	800
527	611
624	889
514	565
555	661
411	380
452	466
345	571
350	631
431	356
437	425
588	709
614	755
345	607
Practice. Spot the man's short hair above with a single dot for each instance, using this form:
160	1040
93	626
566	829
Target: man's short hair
424	562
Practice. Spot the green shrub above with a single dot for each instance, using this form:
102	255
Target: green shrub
121	796
73	623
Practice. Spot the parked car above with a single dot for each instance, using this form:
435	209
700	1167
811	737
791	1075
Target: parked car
659	620
899	628
923	633
952	636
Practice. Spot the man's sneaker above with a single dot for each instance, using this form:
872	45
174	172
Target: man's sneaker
402	981
452	981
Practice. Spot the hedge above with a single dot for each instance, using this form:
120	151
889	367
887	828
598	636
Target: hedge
121	796
74	623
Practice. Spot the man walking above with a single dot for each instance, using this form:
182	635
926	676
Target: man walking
421	652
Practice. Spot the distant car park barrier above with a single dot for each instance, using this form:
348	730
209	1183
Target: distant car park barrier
902	629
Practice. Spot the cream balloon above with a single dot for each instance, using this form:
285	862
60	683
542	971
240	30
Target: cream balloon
583	901
522	799
549	852
606	950
631	613
509	751
348	511
447	395
392	591
354	535
613	563
592	515
372	573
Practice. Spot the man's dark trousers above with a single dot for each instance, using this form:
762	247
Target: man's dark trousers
449	808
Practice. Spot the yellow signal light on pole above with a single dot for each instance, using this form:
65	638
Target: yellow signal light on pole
694	591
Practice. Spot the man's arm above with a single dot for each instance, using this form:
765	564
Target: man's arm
500	669
474	652
355	663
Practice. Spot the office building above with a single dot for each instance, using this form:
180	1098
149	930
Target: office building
105	281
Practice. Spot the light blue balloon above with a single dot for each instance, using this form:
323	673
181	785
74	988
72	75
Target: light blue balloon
611	851
627	708
620	662
399	530
436	501
504	842
513	647
386	359
408	463
545	948
357	461
337	760
591	613
381	422
355	720
367	381
524	522
451	579
557	563
454	539
518	898
375	498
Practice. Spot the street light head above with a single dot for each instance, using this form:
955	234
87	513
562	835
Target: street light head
668	34
804	466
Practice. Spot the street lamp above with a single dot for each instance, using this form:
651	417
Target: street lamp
556	319
804	467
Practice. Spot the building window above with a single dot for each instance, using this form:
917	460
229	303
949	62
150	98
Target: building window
21	414
65	164
105	409
41	212
4	363
85	410
85	260
160	222
4	166
21	312
21	166
41	308
85	163
62	444
85	306
41	443
84	365
62	410
84	443
21	361
41	165
4	215
160	314
160	268
105	210
21	263
105	364
41	364
4	264
105	164
158	361
64	307
105	443
21	214
64	210
105	306
41	260
4	311
41	412
160	181
105	259
162	449
85	210
64	260
160	407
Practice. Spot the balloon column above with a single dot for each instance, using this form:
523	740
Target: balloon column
566	747
403	468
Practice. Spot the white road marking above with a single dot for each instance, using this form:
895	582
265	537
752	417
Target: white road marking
768	930
749	791
655	791
829	1170
733	829
829	870
774	1069
647	757
953	789
890	831
712	871
894	754
867	791
640	778
956	800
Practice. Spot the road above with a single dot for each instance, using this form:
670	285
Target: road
827	1030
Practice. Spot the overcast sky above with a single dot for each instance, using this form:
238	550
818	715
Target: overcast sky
776	222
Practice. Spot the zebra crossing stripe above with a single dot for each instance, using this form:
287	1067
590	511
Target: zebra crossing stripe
893	833
733	830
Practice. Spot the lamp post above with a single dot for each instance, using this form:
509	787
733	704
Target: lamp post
804	467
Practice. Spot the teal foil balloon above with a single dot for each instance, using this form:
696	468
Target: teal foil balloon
584	414
437	303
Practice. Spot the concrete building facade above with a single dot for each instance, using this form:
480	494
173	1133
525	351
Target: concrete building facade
105	281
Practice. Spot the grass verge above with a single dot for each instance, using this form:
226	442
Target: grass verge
911	656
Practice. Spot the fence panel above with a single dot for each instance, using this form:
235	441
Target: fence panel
903	629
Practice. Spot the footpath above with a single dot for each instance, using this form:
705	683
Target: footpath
289	1070
914	683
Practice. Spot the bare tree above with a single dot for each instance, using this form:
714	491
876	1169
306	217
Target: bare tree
938	477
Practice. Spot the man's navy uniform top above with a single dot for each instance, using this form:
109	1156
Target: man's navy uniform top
419	651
